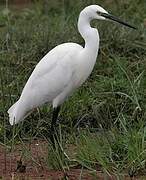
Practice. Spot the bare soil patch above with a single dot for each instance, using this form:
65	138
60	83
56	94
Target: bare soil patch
33	164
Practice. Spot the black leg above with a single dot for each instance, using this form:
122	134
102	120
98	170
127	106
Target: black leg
53	124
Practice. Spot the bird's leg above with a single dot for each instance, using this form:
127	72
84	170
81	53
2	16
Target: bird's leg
54	117
53	123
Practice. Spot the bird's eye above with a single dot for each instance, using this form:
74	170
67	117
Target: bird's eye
99	13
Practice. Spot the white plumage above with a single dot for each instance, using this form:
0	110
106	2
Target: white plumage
62	70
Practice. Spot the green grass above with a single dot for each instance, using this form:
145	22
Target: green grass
105	118
114	151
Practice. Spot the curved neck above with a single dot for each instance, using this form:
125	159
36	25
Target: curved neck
89	34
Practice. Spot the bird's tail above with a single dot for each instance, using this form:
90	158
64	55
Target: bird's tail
12	114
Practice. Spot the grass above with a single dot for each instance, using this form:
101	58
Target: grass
105	118
114	151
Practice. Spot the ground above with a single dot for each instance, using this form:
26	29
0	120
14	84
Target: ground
34	166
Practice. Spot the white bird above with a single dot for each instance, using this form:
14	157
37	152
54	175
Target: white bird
62	70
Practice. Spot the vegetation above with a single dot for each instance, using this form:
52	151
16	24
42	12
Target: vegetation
105	119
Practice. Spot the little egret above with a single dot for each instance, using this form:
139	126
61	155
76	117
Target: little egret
63	69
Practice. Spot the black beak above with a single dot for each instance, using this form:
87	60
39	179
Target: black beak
111	17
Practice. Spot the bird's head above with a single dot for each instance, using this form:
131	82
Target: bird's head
97	12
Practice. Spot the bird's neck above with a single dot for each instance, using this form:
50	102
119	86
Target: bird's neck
89	34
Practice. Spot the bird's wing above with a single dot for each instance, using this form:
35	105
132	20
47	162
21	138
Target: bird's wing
50	77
